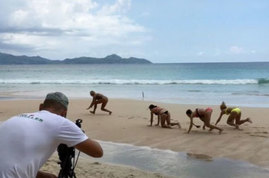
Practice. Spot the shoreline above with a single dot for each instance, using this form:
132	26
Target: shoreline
129	120
10	97
94	169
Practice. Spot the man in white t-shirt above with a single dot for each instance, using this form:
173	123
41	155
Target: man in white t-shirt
28	140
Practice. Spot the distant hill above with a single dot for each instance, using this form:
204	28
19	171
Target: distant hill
11	59
111	59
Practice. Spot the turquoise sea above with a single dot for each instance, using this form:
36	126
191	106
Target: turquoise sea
241	84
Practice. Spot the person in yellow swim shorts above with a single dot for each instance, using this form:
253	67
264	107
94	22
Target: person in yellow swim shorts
234	116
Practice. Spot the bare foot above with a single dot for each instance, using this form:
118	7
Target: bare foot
110	113
249	120
92	112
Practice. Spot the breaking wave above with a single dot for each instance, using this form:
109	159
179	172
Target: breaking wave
139	82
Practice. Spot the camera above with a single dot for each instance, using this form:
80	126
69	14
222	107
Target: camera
78	122
67	158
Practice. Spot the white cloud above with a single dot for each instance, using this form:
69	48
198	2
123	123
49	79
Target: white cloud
121	6
70	24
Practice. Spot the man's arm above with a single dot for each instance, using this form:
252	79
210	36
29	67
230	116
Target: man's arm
41	174
91	148
92	103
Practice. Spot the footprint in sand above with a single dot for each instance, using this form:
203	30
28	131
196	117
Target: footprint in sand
264	132
199	156
258	134
96	163
264	136
259	127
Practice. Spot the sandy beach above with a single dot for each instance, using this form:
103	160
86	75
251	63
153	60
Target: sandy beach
128	124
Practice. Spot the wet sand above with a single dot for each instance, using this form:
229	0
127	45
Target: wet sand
129	120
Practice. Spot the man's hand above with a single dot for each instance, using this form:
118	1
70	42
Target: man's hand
42	174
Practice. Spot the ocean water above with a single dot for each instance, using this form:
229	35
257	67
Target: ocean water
241	84
177	164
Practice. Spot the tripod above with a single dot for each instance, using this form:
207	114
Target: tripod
67	158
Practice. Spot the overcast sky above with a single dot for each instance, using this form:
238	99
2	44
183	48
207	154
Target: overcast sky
158	30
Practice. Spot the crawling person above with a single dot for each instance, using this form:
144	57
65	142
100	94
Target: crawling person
163	116
98	98
234	116
204	115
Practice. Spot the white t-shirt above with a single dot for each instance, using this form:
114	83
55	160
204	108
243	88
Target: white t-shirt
28	140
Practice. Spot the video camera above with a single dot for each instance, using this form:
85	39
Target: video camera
67	158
